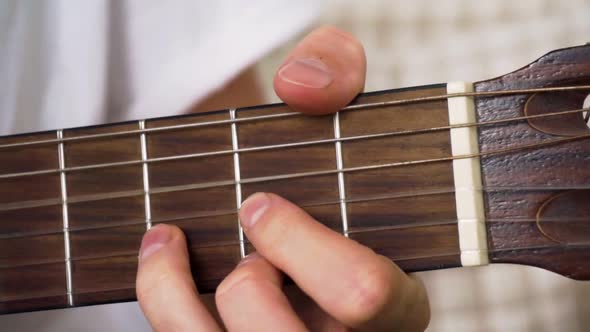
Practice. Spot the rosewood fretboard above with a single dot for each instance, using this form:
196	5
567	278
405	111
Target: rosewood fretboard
74	204
405	212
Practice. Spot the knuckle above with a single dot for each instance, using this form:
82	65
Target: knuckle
373	289
274	235
147	286
242	280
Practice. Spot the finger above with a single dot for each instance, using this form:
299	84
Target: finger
165	288
251	299
323	73
349	281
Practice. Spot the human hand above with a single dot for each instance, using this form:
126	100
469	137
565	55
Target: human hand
347	285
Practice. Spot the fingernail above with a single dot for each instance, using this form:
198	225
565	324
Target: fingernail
308	72
253	208
153	240
250	258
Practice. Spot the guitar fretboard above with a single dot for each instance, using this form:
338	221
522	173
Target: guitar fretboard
74	208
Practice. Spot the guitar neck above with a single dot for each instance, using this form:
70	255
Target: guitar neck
73	209
431	177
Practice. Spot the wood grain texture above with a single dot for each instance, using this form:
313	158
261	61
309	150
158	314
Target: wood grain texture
416	229
31	240
512	213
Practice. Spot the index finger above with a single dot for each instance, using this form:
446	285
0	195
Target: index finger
348	280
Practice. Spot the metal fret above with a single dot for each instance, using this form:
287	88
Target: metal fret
237	177
340	167
66	223
146	177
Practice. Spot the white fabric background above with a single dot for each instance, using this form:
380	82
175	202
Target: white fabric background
72	63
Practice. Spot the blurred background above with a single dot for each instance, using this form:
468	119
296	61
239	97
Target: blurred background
422	42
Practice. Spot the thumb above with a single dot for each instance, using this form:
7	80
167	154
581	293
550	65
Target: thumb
323	73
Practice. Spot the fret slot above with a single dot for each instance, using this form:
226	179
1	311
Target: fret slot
379	151
38	220
29	159
302	191
191	140
107	212
104	280
124	240
402	212
191	171
32	250
288	161
102	151
190	203
411	116
22	290
209	231
108	181
412	180
415	249
31	190
282	131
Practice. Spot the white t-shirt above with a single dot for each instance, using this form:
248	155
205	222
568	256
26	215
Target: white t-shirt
76	63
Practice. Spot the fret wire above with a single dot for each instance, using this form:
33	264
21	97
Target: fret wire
205	185
66	223
237	178
361	199
289	145
339	167
146	178
289	114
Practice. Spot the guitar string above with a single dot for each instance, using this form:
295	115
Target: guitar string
131	286
290	114
134	253
288	145
312	204
556	141
254	180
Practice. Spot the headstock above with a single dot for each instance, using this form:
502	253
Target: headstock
538	200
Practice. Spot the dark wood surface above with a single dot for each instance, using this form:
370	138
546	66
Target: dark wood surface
513	214
104	232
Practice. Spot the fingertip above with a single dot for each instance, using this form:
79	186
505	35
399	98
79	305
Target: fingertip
157	237
323	73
